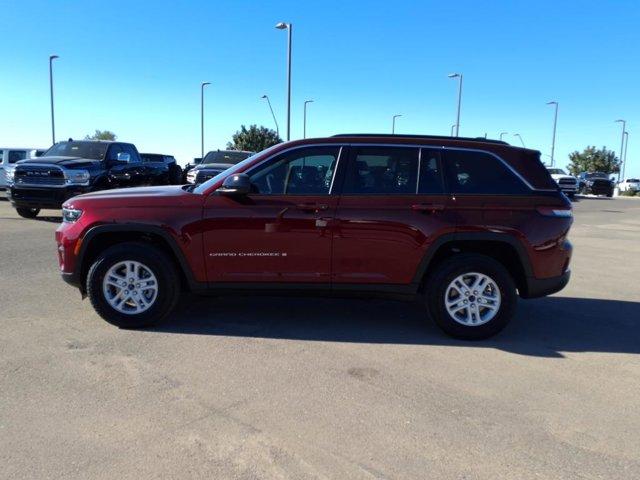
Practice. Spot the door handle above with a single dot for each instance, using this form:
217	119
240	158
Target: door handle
309	207
427	207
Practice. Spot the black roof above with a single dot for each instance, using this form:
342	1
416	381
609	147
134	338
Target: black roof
433	137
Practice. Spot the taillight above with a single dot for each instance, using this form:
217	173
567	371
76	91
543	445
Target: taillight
555	212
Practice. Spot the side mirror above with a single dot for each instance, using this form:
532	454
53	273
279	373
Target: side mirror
124	157
236	184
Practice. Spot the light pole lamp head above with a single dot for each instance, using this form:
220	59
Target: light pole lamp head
282	25
308	101
620	121
264	96
553	102
53	57
453	75
206	83
396	116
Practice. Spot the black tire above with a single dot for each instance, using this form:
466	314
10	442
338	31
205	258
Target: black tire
446	272
571	195
157	262
26	212
609	194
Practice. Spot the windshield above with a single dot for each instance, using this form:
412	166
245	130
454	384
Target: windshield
225	156
556	171
633	180
236	168
92	150
597	175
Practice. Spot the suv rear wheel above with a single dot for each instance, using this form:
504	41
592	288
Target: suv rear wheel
471	296
133	285
26	212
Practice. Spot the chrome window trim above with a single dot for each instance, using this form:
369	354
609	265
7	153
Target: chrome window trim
404	145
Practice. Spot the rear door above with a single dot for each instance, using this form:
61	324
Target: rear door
392	207
280	233
488	195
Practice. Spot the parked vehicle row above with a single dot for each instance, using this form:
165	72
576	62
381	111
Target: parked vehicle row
567	183
458	224
72	168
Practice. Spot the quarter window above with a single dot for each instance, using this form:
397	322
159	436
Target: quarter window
480	173
307	171
382	170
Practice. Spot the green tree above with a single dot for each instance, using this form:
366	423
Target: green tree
253	139
594	160
101	135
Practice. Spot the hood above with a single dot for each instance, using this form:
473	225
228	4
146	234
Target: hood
148	197
66	162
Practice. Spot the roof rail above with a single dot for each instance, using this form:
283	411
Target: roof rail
432	137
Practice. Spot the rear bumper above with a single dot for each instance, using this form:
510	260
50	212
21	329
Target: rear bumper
541	287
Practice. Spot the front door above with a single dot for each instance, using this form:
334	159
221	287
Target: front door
393	206
280	232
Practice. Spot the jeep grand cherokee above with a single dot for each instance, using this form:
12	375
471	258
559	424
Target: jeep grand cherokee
462	225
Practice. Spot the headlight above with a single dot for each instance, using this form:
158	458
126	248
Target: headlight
10	173
77	177
71	215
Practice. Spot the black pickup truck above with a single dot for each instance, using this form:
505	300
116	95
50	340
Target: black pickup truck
73	167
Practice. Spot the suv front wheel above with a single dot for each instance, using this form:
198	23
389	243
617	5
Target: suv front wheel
471	296
133	285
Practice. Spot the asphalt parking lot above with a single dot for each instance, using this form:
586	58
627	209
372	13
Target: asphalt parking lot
319	388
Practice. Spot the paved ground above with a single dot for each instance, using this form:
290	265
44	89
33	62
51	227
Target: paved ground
266	388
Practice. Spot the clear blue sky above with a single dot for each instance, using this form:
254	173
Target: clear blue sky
135	68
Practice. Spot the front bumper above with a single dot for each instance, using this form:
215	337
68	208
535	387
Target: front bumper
32	197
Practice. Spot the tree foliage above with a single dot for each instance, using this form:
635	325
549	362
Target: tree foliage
253	139
101	135
593	160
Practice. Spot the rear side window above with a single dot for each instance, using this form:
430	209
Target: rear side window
382	170
480	173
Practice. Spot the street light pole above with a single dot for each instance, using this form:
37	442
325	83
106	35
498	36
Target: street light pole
459	76
626	148
452	128
304	124
624	129
502	134
273	115
555	123
204	84
53	122
289	27
393	124
520	137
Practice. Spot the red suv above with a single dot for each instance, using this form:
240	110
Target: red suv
463	225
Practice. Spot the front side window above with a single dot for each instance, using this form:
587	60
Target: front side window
305	171
133	153
16	155
382	170
480	173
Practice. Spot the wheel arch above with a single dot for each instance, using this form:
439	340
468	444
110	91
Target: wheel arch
504	248
98	238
